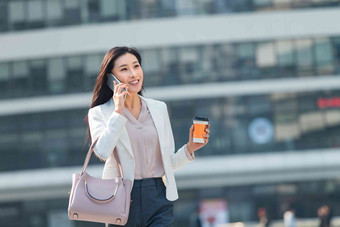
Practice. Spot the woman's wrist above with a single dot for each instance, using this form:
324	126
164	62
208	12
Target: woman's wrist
190	149
119	111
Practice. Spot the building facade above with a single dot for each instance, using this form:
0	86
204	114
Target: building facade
265	72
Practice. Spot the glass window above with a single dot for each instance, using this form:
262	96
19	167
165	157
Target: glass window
169	55
151	61
281	4
38	77
262	4
55	144
286	120
93	10
217	109
170	65
56	75
92	68
149	9
324	57
35	11
121	9
285	58
54	12
56	69
19	86
4	79
72	12
9	124
300	3
265	56
312	121
234	106
285	53
56	120
167	8
190	64
17	14
304	56
4	71
226	61
204	6
74	79
332	117
337	54
20	69
239	136
3	16
184	7
243	5
152	67
92	64
246	50
308	102
208	65
31	122
133	9
258	105
71	4
74	63
108	8
222	6
266	59
9	136
16	11
246	61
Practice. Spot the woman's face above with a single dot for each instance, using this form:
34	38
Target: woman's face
128	71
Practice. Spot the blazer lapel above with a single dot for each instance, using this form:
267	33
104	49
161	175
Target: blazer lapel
157	117
108	109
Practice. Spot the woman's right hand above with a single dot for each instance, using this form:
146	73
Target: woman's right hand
118	96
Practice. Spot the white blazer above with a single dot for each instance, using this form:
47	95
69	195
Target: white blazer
109	126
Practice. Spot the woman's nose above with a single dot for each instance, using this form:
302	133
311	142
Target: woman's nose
132	73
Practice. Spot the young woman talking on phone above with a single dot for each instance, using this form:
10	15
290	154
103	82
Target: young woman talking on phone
138	129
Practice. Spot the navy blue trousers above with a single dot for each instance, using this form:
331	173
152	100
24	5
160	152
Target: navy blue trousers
149	207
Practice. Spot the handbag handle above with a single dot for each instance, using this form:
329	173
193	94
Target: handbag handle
88	157
94	199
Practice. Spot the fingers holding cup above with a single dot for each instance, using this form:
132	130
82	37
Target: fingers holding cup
206	136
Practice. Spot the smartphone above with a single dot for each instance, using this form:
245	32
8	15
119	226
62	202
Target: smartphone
110	80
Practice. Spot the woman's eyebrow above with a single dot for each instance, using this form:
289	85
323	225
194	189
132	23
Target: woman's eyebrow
126	64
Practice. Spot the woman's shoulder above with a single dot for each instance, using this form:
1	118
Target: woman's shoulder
100	107
154	102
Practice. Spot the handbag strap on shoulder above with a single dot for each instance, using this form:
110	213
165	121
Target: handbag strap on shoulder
88	156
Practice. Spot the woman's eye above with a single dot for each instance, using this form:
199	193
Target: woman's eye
123	69
136	66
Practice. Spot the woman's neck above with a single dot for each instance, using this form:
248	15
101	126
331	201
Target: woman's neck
132	101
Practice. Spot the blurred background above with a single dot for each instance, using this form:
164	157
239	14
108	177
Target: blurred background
265	73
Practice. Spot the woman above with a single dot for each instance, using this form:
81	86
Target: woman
139	128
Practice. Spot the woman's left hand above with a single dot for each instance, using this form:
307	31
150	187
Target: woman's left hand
191	146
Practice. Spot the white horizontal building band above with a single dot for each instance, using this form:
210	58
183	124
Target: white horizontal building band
216	171
177	31
173	93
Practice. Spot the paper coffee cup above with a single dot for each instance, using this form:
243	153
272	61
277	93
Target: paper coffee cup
200	124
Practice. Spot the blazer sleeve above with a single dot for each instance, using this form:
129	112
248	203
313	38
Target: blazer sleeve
180	158
108	131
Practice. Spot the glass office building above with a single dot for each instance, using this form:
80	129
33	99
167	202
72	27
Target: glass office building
265	72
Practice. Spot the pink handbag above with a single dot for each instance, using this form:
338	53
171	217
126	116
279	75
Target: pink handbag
99	200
